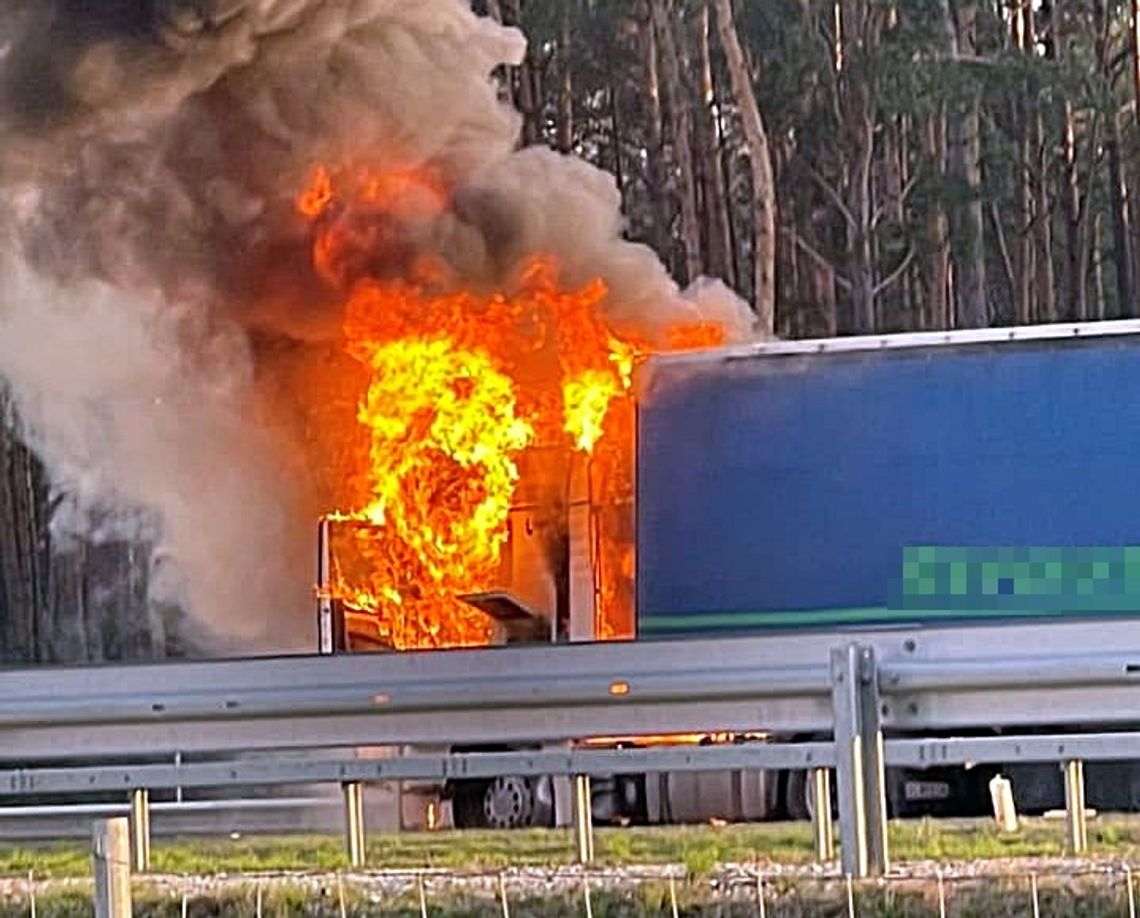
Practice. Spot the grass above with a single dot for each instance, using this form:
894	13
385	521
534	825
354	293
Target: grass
699	848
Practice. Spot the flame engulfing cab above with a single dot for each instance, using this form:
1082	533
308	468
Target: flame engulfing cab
491	496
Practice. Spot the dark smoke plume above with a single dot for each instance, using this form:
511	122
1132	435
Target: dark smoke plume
158	277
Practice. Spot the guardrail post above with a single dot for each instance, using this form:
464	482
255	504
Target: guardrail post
354	822
111	864
859	762
1076	825
822	828
140	830
583	820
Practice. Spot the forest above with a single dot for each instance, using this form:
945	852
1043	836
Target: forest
847	166
858	166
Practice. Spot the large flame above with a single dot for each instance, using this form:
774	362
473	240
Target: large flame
460	383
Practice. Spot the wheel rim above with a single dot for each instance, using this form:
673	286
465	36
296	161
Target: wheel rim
507	803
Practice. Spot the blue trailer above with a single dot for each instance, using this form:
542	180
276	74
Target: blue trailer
967	478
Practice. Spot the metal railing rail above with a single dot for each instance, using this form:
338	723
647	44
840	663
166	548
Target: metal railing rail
498	695
858	689
473	765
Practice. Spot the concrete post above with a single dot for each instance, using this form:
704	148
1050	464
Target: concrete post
583	820
111	864
140	830
1076	825
354	822
822	829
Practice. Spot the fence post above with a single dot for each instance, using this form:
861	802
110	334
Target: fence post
822	828
140	830
583	820
1076	825
859	761
354	822
110	857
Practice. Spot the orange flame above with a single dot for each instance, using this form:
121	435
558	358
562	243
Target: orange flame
313	200
460	384
585	399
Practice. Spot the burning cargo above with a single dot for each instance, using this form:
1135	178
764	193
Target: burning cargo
458	389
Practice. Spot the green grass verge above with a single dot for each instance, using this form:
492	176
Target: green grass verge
699	848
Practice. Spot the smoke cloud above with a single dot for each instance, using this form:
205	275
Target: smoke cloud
158	301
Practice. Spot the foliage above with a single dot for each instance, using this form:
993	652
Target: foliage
902	72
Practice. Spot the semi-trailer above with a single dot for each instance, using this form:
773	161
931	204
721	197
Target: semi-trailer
966	479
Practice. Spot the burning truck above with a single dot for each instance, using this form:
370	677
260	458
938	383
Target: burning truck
269	262
326	281
488	479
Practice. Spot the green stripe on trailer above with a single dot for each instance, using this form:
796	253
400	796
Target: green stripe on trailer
712	621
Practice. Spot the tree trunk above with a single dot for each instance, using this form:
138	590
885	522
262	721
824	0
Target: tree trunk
1024	261
936	273
1024	254
856	107
616	126
660	237
1134	34
763	183
964	164
22	600
565	87
890	189
1098	304
1043	224
1073	266
1121	223
1043	205
732	213
522	80
717	260
681	130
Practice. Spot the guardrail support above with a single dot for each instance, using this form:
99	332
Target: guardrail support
859	762
1076	824
354	822
111	864
140	830
822	829
583	820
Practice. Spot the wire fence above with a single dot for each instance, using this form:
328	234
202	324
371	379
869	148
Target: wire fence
1036	888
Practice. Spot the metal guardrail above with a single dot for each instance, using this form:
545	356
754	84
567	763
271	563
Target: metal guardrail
496	695
189	817
858	690
454	766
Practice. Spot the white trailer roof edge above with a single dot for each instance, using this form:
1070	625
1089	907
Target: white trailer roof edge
1020	333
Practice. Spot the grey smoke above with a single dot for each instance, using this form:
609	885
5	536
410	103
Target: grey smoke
151	154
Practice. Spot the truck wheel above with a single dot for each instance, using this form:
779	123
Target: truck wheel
796	794
798	802
510	802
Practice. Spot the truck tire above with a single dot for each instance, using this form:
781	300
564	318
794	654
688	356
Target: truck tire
509	802
796	793
798	803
